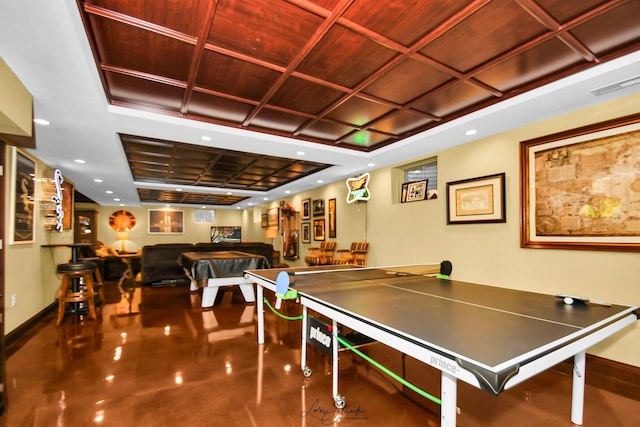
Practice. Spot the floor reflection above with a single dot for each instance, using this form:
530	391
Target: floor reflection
156	358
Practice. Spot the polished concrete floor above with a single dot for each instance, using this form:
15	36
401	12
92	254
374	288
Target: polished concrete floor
155	358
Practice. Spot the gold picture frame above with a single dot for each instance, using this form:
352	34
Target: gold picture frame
578	188
319	229
273	217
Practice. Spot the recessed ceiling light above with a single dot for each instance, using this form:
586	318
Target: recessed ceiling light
116	200
300	153
371	165
287	192
97	180
471	132
205	138
109	192
250	204
42	122
168	205
229	193
122	204
80	161
178	189
266	198
319	181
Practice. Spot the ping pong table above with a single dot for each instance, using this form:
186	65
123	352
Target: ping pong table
492	338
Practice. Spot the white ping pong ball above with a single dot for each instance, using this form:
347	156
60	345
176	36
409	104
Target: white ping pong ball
568	300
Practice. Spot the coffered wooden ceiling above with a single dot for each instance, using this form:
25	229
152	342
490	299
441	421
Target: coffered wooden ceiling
357	74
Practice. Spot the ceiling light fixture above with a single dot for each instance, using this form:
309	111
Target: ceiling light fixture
109	192
80	161
42	122
97	180
471	132
205	138
616	86
300	153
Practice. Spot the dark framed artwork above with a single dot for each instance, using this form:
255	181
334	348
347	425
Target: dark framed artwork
318	207
414	191
306	232
273	217
23	199
306	209
165	222
331	207
264	222
318	229
579	188
476	200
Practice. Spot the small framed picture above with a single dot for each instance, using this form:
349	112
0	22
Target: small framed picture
306	209
263	221
318	229
414	191
318	207
306	232
332	219
272	217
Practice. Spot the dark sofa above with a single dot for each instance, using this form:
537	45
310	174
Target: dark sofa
159	262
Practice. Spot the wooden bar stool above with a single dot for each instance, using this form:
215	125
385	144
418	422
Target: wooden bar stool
98	283
72	291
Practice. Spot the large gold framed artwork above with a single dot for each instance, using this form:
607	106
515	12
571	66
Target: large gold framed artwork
580	189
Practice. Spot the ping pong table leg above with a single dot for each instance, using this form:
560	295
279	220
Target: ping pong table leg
577	396
306	371
337	399
448	408
260	312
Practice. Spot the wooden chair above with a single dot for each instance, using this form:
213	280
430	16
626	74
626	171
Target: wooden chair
321	255
356	254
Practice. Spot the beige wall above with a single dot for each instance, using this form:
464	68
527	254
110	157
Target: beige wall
490	253
30	272
139	236
398	233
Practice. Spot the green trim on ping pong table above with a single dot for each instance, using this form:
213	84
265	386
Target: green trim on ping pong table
266	301
392	374
348	345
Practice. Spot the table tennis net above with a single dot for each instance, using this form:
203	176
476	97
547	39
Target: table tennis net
346	275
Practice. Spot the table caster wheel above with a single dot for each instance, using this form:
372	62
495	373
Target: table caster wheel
339	402
307	372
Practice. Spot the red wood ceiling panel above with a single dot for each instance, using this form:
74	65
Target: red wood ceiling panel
360	74
270	30
404	21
